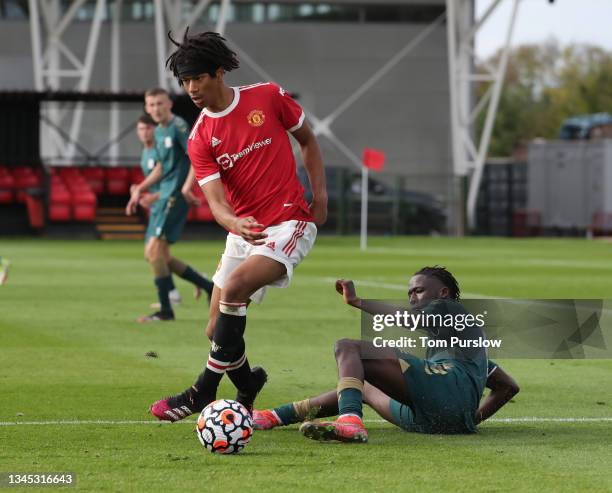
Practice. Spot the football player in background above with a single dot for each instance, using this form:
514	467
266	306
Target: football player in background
145	130
172	206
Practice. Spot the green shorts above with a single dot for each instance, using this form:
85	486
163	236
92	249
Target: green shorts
167	219
154	211
441	395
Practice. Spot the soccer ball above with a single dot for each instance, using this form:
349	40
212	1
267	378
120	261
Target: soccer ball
224	427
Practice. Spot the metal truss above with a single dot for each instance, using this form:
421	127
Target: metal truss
56	67
168	17
167	14
470	150
322	125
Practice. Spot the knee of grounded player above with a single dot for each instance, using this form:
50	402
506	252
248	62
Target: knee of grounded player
344	346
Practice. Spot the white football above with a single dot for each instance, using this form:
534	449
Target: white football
224	427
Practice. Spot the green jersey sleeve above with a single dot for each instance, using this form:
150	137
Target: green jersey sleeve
181	133
491	367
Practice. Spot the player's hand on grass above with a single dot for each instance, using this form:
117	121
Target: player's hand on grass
318	210
245	226
347	289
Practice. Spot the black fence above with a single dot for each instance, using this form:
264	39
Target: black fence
502	200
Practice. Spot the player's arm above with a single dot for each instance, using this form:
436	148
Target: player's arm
187	188
154	177
182	139
148	199
503	388
226	217
346	288
313	162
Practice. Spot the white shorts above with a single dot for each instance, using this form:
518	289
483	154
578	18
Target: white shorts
288	243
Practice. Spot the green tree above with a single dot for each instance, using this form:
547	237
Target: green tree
545	84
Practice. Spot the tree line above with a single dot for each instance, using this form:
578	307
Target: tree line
544	85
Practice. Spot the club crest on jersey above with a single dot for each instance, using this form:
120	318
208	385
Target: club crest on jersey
256	118
225	161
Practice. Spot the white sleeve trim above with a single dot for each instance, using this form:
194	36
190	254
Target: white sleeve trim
212	177
299	124
492	371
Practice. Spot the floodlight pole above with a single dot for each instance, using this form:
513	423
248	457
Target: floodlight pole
222	19
469	153
160	44
48	52
115	79
85	76
364	208
168	18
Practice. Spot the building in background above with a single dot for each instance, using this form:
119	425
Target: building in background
324	52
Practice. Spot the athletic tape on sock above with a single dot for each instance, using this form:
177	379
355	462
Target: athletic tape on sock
302	409
236	309
349	383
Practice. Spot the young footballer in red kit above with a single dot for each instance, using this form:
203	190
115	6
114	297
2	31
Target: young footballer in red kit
241	156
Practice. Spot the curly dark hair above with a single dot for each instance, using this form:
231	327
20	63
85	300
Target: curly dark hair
445	277
206	51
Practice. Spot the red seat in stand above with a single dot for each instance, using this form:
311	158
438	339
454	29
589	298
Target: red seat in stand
7	186
25	178
60	202
95	178
136	175
117	181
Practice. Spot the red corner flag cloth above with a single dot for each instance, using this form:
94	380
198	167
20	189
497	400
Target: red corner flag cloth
373	159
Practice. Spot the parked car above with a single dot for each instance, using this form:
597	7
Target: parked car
390	209
584	127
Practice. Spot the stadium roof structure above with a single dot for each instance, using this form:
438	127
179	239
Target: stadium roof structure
49	20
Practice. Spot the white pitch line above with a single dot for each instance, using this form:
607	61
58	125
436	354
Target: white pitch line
477	254
464	295
527	419
398	287
76	422
549	420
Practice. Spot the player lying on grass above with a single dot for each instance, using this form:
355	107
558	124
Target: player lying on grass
438	394
242	158
169	212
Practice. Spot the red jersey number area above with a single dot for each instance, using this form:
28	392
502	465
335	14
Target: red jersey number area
248	147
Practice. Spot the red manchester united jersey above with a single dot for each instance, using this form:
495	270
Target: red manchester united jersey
247	147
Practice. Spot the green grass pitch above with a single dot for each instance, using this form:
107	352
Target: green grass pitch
70	350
